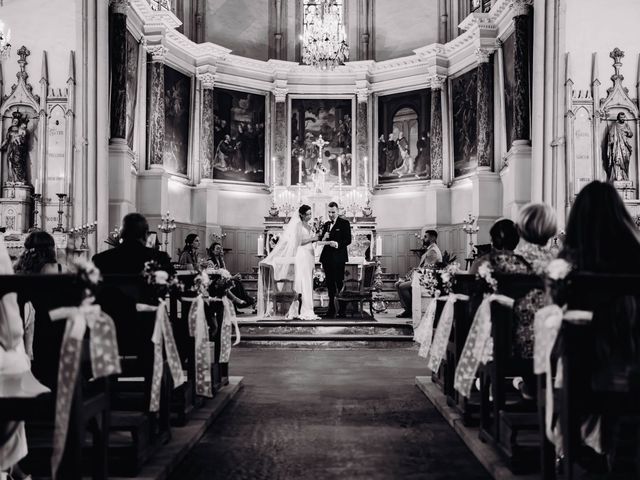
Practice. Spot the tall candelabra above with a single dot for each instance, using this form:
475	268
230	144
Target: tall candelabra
37	198
61	199
379	305
167	226
84	231
470	228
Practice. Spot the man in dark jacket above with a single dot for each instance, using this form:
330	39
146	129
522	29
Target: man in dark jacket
334	259
131	255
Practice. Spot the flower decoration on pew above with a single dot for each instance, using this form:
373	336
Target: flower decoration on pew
448	277
201	283
557	274
159	280
88	276
485	273
429	282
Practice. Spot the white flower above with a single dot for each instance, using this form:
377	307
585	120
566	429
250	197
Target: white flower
485	270
161	277
558	269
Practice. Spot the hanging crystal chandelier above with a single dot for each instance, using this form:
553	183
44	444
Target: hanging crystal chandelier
324	40
5	46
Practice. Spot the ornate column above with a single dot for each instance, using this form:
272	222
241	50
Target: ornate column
521	10
280	136
206	126
436	82
485	108
155	105
362	133
118	60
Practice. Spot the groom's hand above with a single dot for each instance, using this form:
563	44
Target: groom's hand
333	244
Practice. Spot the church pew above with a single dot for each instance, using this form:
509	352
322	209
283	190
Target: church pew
90	408
505	418
439	377
136	433
585	390
468	408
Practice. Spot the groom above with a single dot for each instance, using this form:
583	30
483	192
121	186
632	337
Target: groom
333	259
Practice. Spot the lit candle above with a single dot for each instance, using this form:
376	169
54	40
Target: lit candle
37	186
379	246
299	169
260	245
366	176
340	170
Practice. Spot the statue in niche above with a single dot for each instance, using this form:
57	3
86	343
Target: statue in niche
16	145
619	150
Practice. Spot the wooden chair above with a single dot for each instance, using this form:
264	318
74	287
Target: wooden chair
361	290
90	408
283	296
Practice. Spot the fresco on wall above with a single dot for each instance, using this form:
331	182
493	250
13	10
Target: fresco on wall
132	86
465	133
403	137
508	47
330	119
238	136
177	116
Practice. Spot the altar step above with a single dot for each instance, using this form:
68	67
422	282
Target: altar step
339	333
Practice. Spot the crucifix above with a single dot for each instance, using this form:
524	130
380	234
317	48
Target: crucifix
320	143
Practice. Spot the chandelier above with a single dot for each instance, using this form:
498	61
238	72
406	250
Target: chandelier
5	46
324	40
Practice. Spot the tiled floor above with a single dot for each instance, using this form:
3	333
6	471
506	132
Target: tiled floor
347	414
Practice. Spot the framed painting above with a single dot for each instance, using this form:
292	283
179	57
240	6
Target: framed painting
508	54
403	151
238	136
325	122
464	122
177	116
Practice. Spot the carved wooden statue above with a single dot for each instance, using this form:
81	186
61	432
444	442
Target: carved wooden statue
619	150
16	145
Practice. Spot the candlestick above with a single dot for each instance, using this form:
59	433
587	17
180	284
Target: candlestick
61	197
340	170
299	169
36	188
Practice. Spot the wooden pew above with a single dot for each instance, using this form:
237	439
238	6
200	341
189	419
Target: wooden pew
505	418
583	391
90	408
468	408
136	433
439	378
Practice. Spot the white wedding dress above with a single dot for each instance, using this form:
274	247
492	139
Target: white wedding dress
290	262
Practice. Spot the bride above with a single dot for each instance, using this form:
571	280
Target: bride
292	260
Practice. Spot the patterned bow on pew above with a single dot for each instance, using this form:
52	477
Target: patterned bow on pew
105	361
162	336
424	333
546	326
199	329
229	319
443	330
479	345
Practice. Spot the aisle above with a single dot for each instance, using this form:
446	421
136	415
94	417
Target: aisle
344	414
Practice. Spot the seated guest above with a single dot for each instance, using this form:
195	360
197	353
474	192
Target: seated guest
190	256
39	256
131	255
537	225
216	260
601	238
504	239
431	257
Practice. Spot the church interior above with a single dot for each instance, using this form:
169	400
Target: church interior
295	239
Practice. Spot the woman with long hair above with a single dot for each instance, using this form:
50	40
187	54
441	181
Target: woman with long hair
39	255
190	255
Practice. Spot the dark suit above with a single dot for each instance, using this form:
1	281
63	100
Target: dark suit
333	259
130	257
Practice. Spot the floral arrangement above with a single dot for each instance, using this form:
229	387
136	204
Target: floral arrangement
429	282
485	272
114	238
159	280
319	279
201	283
88	276
317	224
448	276
556	278
220	280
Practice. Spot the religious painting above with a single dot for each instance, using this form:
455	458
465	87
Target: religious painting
465	132
508	54
238	136
403	137
177	116
132	86
321	140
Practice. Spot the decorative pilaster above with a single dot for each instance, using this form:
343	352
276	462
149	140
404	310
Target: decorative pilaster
206	125
280	136
118	59
362	132
155	104
436	83
521	69
485	108
277	36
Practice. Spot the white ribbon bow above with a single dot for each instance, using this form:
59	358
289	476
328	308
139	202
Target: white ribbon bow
443	330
